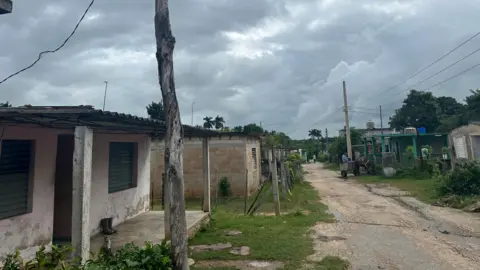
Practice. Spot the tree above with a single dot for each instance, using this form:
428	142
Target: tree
155	111
237	129
253	128
208	122
173	139
315	133
419	109
339	144
218	122
473	105
6	104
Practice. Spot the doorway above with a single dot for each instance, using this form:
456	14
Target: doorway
62	213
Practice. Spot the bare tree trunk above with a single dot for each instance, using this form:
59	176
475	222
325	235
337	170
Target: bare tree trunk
173	138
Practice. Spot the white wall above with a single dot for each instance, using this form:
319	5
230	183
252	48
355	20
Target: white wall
30	231
125	204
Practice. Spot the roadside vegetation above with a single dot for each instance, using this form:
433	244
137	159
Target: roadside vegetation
282	239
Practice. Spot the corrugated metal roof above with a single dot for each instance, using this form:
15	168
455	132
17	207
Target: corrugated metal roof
71	116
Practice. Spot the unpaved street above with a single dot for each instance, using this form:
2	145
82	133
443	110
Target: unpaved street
377	228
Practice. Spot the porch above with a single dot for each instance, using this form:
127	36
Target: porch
149	226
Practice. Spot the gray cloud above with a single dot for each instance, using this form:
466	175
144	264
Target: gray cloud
279	62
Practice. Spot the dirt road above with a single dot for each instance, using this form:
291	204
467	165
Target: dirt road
379	228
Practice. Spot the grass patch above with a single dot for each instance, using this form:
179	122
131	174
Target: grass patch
281	238
332	263
422	189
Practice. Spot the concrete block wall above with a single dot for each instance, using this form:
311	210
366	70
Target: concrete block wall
229	157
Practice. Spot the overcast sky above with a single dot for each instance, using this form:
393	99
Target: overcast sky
278	62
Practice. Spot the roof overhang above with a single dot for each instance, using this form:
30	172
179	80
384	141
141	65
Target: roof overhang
5	6
68	117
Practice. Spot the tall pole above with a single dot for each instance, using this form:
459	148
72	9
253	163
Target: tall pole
175	203
381	130
193	103
347	122
105	94
326	138
381	119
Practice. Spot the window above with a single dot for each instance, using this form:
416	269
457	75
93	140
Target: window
254	158
121	166
15	166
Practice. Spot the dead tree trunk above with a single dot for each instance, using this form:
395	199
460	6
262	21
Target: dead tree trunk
173	137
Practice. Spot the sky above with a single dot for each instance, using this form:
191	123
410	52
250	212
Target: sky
280	63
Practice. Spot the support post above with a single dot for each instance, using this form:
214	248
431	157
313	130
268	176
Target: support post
374	146
383	144
273	168
81	188
207	198
365	148
284	178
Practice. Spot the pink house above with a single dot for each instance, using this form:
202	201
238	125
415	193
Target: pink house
64	169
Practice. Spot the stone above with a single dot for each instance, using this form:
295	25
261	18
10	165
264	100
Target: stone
475	208
214	247
243	251
190	262
233	233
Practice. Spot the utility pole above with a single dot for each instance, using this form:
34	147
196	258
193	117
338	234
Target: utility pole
381	119
105	94
347	122
326	138
193	103
175	201
381	130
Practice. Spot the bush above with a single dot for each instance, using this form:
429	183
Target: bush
224	186
322	158
128	257
464	180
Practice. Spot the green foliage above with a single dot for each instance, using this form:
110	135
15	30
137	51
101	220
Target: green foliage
219	122
5	104
156	111
464	180
208	122
436	114
339	144
224	187
322	158
315	133
128	257
294	166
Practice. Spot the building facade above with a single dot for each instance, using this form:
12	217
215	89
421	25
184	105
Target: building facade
232	155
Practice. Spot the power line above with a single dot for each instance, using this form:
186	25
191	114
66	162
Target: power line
52	51
447	67
453	77
444	81
431	64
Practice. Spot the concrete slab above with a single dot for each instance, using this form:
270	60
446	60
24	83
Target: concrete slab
147	227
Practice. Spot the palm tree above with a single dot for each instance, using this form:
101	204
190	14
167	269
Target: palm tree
315	133
6	104
208	122
218	122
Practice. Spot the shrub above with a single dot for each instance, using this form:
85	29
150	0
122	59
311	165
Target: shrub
322	158
224	186
464	180
128	257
